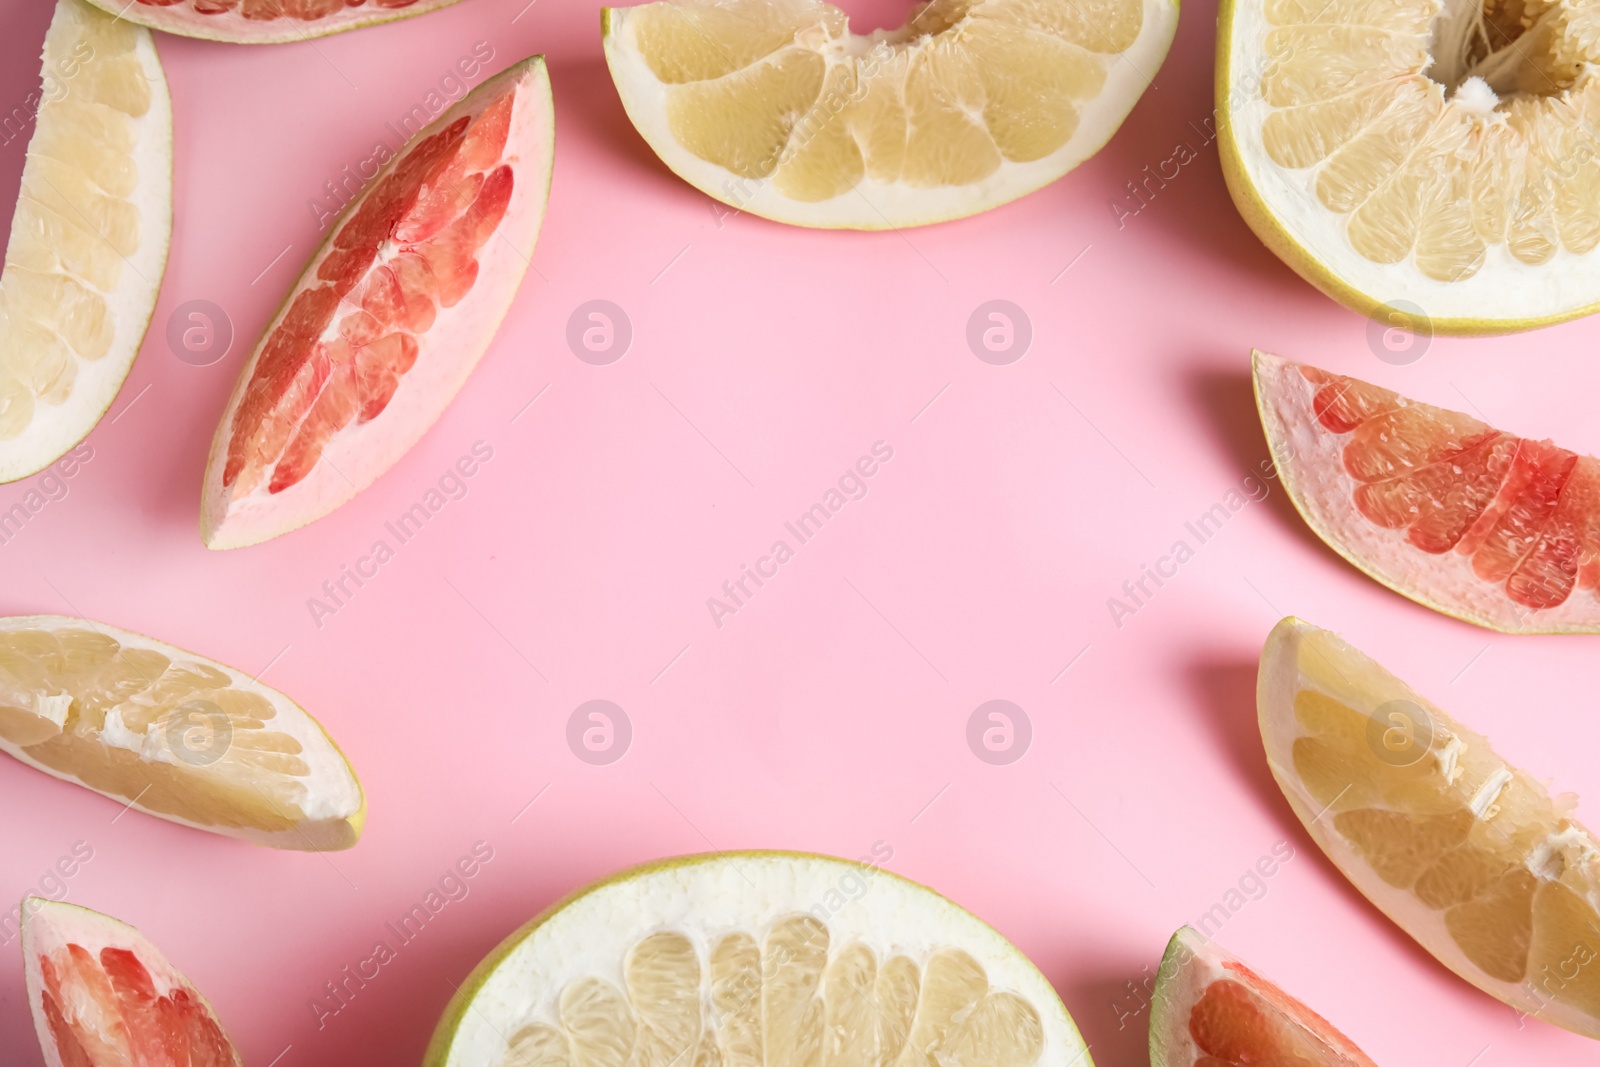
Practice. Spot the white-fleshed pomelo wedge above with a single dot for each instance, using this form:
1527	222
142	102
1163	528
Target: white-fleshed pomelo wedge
1435	165
103	996
89	238
1210	1010
264	21
390	317
746	959
171	734
1472	521
1466	853
776	108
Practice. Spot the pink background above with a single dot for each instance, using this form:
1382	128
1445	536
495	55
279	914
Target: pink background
830	712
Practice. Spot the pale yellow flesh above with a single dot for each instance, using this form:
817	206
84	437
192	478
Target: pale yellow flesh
788	998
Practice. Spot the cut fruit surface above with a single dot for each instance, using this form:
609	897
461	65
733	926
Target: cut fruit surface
103	996
169	733
775	107
89	238
389	318
1469	520
1466	853
756	958
1210	1010
264	21
1441	158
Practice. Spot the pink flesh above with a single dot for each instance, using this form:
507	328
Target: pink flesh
437	206
264	10
1245	1021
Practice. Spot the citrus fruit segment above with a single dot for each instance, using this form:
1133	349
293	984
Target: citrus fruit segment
755	958
1469	520
389	318
1467	854
1438	158
264	21
89	237
171	734
103	996
1210	1010
775	107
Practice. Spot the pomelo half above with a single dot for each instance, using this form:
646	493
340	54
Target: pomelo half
172	734
103	996
745	959
1466	853
264	21
1210	1010
1437	159
1475	522
89	238
390	316
775	107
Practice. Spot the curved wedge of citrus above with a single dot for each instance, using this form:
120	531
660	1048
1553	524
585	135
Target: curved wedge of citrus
1466	853
171	734
89	238
1472	521
1210	1010
389	318
775	107
264	21
103	996
747	959
1442	159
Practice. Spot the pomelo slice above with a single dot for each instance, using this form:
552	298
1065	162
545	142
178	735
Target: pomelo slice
89	238
755	958
1210	1010
775	107
171	734
103	996
1437	158
1467	854
390	316
264	21
1472	521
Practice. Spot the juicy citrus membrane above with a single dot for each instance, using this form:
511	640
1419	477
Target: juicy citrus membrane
751	958
264	21
180	737
1439	157
389	318
774	107
103	996
1210	1010
1480	524
1468	854
89	237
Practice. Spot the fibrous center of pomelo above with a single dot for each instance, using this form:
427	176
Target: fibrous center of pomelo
1526	512
782	90
406	254
267	10
108	1011
1441	130
787	1001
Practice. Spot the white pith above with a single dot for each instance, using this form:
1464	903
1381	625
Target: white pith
873	204
56	428
447	352
705	897
332	796
1188	967
1310	461
232	27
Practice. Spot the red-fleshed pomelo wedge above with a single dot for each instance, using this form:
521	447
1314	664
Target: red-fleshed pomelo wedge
264	21
103	996
389	318
1210	1010
1472	521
